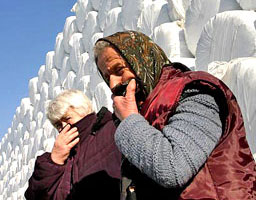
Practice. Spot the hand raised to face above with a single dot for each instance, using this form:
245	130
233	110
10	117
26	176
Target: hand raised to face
126	105
65	141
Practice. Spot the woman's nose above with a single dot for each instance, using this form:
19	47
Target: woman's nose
114	80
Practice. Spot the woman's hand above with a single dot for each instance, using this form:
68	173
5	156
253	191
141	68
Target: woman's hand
64	142
125	106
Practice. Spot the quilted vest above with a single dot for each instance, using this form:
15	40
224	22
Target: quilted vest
229	172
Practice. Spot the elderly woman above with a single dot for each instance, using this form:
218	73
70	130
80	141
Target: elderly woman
84	162
181	132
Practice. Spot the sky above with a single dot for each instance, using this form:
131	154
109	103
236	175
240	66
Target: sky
28	30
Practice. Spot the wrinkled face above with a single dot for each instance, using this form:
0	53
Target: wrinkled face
70	117
113	67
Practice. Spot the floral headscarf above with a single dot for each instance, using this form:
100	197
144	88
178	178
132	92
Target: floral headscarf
145	57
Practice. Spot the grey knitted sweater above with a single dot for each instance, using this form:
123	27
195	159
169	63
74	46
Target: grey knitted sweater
173	156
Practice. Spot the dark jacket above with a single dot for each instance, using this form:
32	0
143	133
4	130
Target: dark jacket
92	170
229	172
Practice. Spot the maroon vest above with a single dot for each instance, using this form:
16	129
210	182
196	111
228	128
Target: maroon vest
229	172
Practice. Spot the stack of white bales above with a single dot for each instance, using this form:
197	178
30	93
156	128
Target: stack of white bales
201	34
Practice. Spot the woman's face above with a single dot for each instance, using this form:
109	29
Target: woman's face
70	117
113	67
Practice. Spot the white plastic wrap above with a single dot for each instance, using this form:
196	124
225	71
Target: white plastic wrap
76	50
94	38
113	22
49	64
177	9
66	67
69	29
102	97
198	14
131	11
59	51
105	6
48	144
170	37
247	4
83	85
69	80
55	81
95	4
228	35
81	8
89	29
32	87
240	76
95	80
41	76
24	106
153	15
82	71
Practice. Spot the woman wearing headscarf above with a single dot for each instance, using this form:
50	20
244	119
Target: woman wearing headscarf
181	132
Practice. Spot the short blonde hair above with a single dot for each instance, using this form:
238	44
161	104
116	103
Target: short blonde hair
75	99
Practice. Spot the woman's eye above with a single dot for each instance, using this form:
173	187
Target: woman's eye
119	70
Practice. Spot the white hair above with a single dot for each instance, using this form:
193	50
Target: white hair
75	99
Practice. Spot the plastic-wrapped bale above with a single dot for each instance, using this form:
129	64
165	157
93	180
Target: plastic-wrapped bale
77	49
41	77
28	117
95	80
94	38
47	129
69	80
81	9
68	30
154	14
228	35
32	85
131	11
90	27
36	105
48	144
83	70
102	97
59	51
113	22
83	85
24	106
66	67
43	95
38	141
177	9
199	13
49	65
95	4
240	76
170	37
55	81
116	3
39	120
105	6
56	91
247	4
25	154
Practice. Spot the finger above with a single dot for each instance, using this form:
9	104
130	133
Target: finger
65	129
72	137
73	143
131	88
71	131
